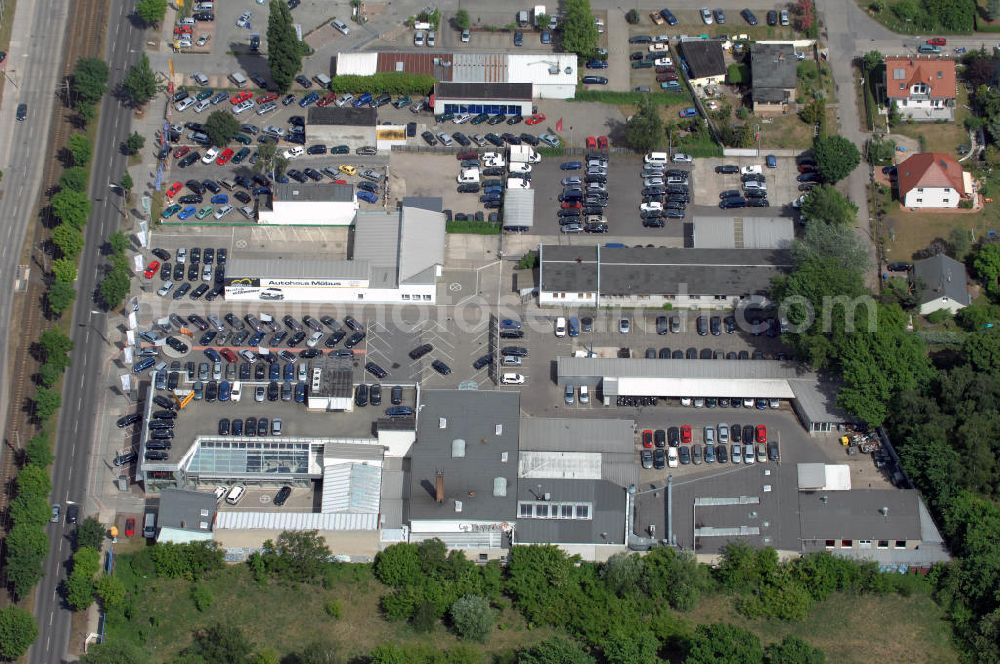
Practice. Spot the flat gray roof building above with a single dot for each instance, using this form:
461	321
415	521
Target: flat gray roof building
714	232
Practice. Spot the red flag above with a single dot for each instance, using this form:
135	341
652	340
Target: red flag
559	124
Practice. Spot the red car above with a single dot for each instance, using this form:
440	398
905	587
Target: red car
174	188
240	97
181	151
228	355
602	142
340	181
327	100
537	118
224	157
567	205
183	30
937	41
151	269
266	98
130	527
591	143
647	438
761	433
686	434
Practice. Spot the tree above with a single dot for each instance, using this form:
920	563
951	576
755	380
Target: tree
297	556
836	157
397	565
151	12
71	207
986	263
839	244
27	548
80	149
579	33
60	297
34	481
17	632
30	511
472	617
952	15
462	21
959	244
644	130
993	9
118	242
47	402
220	127
119	652
827	205
555	650
632	16
90	533
49	374
38	451
134	142
724	644
125	182
114	288
80	584
68	239
90	81
284	54
74	178
139	85
55	343
793	650
221	644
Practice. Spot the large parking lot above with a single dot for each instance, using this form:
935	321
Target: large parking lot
782	187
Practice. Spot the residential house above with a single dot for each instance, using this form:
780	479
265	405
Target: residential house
704	60
773	73
940	283
933	180
921	89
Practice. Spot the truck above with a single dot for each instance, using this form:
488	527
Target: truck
524	154
539	13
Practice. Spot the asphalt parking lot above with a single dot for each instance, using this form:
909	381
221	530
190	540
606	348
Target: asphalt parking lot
782	188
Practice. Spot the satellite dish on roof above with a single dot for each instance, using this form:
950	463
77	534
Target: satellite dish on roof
568	70
554	70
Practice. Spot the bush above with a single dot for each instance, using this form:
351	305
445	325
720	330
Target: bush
393	83
17	632
201	596
332	609
472	617
938	317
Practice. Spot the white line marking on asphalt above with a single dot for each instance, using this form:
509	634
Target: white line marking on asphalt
52	615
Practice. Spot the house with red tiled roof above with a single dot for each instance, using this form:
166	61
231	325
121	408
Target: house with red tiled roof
932	180
921	89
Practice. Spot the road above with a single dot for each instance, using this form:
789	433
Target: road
34	72
80	398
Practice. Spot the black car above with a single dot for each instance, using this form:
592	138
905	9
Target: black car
335	338
262	425
353	324
302	80
285	491
242	197
189	159
128	420
354	340
477	365
224	426
808	177
730	203
376	371
420	351
772	17
517	351
375	395
441	367
727	169
361	396
429	138
749	17
468	188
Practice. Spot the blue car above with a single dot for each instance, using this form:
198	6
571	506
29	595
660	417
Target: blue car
309	99
399	411
571	166
668	16
213	355
257	191
363	100
670	85
300	392
143	364
225	390
187	212
597	64
574	326
256	339
688	112
220	199
366	196
771	161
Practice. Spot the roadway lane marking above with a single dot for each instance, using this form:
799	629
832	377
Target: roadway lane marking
52	615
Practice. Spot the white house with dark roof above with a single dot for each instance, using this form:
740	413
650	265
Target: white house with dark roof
941	284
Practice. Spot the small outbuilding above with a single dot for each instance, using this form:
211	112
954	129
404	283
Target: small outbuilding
705	62
773	71
333	125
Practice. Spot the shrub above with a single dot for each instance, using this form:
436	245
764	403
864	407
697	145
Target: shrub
393	83
332	609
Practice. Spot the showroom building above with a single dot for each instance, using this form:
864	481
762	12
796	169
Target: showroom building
309	203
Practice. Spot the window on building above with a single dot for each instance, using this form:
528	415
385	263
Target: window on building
567	511
883	544
524	510
361	296
920	200
945	200
694	297
831	543
581	295
427	298
846	544
484	557
900	544
405	296
920	189
864	544
583	511
552	510
541	511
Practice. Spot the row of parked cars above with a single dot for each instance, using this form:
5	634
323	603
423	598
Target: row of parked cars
740	444
584	198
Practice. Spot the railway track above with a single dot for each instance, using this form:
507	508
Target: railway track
85	27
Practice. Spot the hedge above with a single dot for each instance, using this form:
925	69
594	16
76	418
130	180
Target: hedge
393	83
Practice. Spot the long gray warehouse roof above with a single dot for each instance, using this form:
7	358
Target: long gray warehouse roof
297	267
712	369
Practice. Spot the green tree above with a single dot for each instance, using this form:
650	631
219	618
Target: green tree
17	632
297	556
793	650
68	239
284	55
34	481
579	33
140	85
826	204
151	12
982	351
30	511
554	650
49	374
986	263
38	451
134	142
27	548
60	297
80	149
221	644
628	644
47	402
644	130
80	584
836	244
55	343
836	157
90	81
74	178
90	533
111	591
221	126
71	207
724	644
397	565
993	9
114	288
120	652
125	182
977	317
462	21
952	15
118	242
472	617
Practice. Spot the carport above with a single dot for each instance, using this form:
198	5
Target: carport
519	209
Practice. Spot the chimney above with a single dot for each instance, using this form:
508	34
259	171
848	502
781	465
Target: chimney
439	487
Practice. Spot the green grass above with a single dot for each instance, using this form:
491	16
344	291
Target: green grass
633	98
472	227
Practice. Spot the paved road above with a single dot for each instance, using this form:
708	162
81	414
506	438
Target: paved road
80	399
33	71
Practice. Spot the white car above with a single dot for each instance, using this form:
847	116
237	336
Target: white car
663	62
418	39
652	182
561	326
797	203
223	211
672	459
756	169
652	206
184	104
462	118
512	379
243	106
186	21
681	158
658	46
202	105
706	16
210	155
293	152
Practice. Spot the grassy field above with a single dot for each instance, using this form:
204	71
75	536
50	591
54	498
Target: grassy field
940	136
855	629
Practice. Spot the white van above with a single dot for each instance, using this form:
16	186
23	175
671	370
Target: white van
236	393
238	79
468	175
561	326
756	169
656	158
322	79
584	394
512	379
236	494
